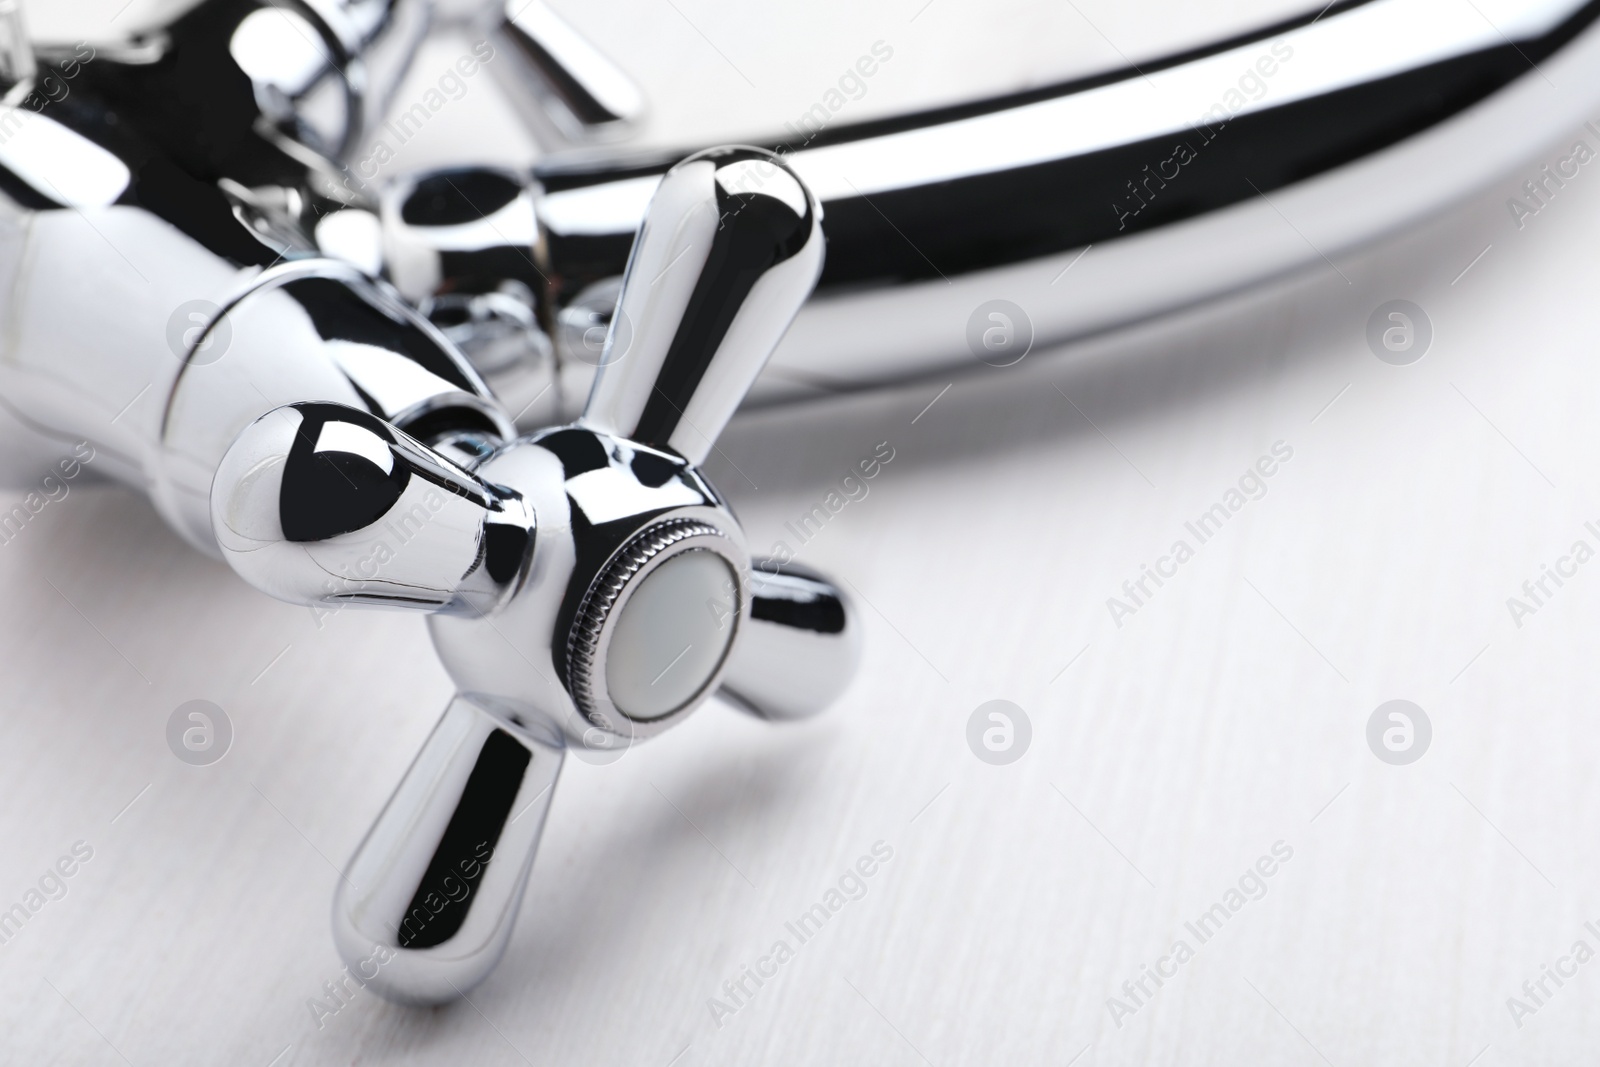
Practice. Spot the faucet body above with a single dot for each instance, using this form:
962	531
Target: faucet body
164	298
157	213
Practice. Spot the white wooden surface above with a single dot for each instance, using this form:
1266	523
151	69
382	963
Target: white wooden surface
1228	714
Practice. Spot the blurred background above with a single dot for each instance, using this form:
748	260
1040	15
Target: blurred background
1398	506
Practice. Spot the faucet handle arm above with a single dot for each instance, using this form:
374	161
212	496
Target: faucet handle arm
324	504
799	646
430	898
730	248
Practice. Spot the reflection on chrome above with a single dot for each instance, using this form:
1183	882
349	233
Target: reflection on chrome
438	879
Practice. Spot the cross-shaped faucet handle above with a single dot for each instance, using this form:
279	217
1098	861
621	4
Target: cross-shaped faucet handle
588	585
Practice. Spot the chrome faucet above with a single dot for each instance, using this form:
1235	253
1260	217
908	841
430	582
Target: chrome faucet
586	585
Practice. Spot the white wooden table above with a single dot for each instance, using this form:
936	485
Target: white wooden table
1226	715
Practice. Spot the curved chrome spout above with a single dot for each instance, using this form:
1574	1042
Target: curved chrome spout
1161	170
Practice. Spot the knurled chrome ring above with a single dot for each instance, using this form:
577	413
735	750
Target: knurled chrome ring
585	664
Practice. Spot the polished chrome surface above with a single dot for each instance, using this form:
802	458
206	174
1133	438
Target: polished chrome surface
730	249
460	244
323	72
460	231
928	214
300	417
694	327
192	224
592	496
1355	119
325	505
568	90
431	895
586	583
394	362
55	163
1188	97
800	644
314	330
